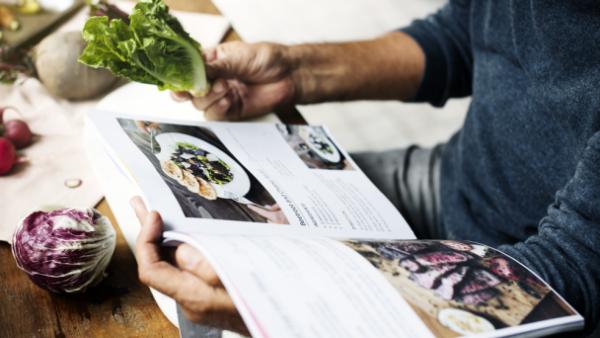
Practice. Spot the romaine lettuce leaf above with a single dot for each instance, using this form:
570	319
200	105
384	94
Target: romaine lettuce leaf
154	48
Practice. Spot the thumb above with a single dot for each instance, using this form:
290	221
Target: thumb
210	56
228	60
191	260
222	68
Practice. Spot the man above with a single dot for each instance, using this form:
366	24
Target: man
523	174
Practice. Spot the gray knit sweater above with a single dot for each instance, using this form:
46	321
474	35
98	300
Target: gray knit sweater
523	174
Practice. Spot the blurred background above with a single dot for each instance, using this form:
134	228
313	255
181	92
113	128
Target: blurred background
357	125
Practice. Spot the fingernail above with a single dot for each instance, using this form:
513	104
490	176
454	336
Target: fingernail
219	87
179	96
210	55
134	201
191	263
223	102
189	258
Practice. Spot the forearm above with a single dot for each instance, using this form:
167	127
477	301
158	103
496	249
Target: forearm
387	68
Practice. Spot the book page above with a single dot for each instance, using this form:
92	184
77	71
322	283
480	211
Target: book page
301	287
462	288
248	178
304	287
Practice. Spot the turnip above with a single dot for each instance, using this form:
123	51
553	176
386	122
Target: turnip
57	67
8	156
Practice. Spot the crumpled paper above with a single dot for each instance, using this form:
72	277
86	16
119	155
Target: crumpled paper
56	155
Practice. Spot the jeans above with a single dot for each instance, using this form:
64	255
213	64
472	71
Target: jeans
410	179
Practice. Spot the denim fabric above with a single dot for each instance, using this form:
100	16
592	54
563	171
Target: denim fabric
410	179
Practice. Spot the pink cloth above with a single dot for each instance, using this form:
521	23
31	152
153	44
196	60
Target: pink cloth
59	154
56	155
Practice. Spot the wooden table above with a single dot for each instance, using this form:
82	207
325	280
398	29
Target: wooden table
119	307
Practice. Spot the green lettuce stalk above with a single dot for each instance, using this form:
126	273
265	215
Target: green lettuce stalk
153	48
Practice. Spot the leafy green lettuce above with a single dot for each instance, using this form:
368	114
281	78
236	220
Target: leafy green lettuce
153	48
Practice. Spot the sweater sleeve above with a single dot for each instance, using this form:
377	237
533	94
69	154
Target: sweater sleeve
445	40
566	250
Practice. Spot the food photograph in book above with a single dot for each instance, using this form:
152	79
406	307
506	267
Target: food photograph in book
314	147
205	178
462	288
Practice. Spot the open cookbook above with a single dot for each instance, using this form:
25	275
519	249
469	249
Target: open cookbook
308	247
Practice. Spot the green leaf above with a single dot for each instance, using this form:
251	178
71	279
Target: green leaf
154	48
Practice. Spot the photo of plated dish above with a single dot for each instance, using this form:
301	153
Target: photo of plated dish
464	322
320	144
201	167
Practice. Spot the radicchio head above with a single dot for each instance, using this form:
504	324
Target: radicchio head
65	250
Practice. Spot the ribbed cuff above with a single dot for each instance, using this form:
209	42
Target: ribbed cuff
435	78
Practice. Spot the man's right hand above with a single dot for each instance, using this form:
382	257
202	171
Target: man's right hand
254	79
248	80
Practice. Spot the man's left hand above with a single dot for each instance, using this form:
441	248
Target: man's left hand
189	280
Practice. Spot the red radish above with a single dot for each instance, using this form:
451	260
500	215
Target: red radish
18	132
8	156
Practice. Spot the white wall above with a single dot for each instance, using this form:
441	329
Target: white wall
360	125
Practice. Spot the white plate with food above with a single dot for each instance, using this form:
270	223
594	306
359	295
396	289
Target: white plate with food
464	322
201	167
319	143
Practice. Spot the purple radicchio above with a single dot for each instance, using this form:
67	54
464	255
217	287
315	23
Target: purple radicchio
65	250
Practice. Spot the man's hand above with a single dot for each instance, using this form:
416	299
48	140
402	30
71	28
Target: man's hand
248	80
191	281
146	127
254	79
272	213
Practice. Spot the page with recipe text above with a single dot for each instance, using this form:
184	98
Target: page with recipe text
258	178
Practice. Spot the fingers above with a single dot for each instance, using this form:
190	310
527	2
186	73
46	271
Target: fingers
191	260
217	92
219	110
194	289
264	212
181	96
147	249
244	101
274	207
203	301
231	106
210	55
223	61
141	125
261	98
231	321
215	104
272	213
153	125
248	80
183	287
152	270
201	298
